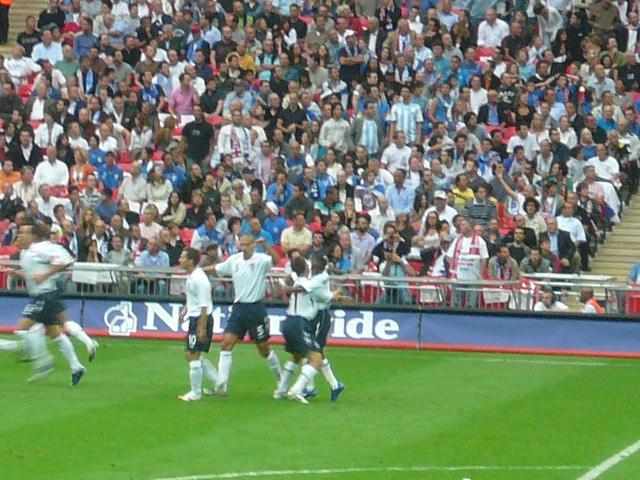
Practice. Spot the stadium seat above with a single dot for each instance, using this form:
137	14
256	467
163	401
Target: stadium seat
34	125
186	234
307	20
278	249
215	120
25	90
484	52
157	156
124	157
8	250
635	95
177	132
126	167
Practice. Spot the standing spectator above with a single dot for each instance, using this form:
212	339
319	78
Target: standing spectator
400	195
481	210
197	137
406	117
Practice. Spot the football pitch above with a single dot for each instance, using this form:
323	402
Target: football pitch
403	415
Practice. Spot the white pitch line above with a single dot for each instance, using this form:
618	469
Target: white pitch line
330	471
609	463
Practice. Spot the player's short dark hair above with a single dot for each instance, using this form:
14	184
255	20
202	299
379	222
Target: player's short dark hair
192	254
298	265
319	264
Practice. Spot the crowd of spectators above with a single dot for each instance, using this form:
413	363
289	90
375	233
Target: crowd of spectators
408	138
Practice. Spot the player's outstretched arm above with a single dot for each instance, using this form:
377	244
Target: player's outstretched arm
210	269
275	258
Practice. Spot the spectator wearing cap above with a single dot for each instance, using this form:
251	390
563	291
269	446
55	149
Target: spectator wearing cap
110	175
106	207
273	222
351	59
196	43
51	170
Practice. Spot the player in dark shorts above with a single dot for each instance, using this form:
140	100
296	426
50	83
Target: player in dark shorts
248	270
197	311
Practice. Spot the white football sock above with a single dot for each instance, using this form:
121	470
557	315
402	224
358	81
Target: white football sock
307	372
224	366
312	384
36	345
75	330
209	371
274	365
66	347
8	345
328	374
287	372
195	376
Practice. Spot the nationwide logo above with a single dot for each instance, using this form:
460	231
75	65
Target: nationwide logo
120	320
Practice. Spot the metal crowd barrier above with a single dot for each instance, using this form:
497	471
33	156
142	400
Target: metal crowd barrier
111	281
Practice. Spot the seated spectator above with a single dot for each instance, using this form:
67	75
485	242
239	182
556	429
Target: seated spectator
149	228
134	187
535	263
194	181
10	204
296	236
331	203
207	233
381	215
400	194
175	211
195	214
101	239
52	171
299	202
362	238
503	266
79	172
152	257
46	202
134	242
172	172
479	208
549	302
110	175
273	223
8	174
158	187
119	255
318	248
90	196
568	223
280	191
172	245
391	253
106	207
518	249
128	217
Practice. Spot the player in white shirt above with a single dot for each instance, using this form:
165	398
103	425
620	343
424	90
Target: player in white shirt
248	271
40	262
316	288
549	303
197	311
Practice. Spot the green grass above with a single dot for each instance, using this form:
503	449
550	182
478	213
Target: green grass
400	408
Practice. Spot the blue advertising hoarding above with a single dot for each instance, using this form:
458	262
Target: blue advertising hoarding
372	328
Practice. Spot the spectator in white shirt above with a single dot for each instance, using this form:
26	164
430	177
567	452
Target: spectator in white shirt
492	30
606	166
397	154
46	135
134	187
526	140
381	215
52	171
47	49
46	203
26	188
571	224
549	303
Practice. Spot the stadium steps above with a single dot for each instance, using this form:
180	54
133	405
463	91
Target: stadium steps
622	248
19	11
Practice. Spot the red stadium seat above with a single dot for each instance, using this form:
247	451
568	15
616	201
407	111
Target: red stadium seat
185	235
124	157
279	251
157	156
34	125
126	167
8	250
635	95
177	132
25	90
215	120
484	52
307	20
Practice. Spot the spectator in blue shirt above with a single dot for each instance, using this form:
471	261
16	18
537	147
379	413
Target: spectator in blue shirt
400	196
172	172
152	257
280	191
255	229
84	41
274	223
110	175
106	207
